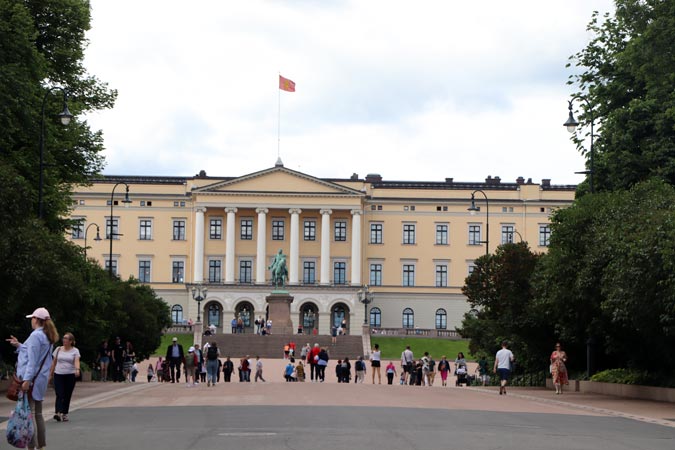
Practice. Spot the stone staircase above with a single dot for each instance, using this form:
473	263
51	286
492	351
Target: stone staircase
272	346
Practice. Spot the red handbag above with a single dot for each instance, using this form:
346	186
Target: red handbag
14	388
15	385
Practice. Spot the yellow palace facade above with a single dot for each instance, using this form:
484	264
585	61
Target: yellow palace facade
412	243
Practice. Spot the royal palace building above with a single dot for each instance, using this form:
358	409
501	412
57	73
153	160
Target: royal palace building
410	244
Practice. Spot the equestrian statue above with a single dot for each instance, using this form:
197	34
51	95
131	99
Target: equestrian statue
278	268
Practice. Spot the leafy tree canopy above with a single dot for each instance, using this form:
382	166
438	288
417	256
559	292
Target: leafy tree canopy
609	274
42	46
500	295
627	79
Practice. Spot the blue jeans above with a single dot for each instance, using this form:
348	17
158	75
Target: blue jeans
211	370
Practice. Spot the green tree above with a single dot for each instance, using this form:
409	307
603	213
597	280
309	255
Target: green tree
609	274
41	46
626	76
499	293
41	268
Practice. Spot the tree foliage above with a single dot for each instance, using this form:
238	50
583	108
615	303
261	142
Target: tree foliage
41	268
42	45
627	79
501	298
615	282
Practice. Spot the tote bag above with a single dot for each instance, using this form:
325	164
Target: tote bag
20	427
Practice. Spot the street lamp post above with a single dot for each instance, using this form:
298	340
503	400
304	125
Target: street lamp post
365	297
65	117
199	294
571	124
511	233
473	209
126	201
97	238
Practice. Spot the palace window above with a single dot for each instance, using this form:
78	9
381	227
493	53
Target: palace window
246	232
408	318
375	233
441	234
408	233
216	229
178	230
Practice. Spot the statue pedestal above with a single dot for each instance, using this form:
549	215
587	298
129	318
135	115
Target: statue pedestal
279	312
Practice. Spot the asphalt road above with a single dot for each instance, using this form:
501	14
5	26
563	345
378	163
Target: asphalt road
348	427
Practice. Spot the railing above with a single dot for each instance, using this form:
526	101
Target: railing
416	332
179	328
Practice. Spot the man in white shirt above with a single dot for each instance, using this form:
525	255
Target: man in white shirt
503	361
407	360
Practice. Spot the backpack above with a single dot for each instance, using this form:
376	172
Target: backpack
212	353
359	365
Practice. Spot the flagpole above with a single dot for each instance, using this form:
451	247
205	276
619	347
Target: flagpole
279	123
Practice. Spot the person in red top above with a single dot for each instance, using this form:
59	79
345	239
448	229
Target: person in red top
312	359
292	348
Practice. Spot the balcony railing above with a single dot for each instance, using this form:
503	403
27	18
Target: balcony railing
416	332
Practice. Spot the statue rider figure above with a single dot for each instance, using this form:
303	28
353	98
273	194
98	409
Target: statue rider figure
278	268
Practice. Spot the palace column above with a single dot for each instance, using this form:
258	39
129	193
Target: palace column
261	249
229	245
295	245
198	269
325	246
356	247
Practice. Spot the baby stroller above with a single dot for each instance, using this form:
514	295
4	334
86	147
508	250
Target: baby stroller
462	377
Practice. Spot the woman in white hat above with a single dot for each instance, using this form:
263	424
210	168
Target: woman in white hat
34	362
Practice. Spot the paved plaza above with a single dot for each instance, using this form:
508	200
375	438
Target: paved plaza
326	415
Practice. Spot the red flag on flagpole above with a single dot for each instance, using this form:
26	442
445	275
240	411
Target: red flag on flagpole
286	85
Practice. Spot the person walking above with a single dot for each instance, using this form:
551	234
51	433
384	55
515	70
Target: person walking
322	363
258	369
503	360
212	355
443	369
118	360
228	368
104	355
129	356
407	360
64	369
376	362
391	372
312	360
190	367
558	368
175	355
33	366
360	370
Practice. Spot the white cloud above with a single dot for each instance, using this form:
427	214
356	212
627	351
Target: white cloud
422	91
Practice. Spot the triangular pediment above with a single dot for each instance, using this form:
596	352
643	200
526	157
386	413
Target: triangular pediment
278	180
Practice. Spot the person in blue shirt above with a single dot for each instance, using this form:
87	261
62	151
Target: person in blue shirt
33	365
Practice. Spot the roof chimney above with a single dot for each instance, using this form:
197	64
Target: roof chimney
546	182
520	180
373	178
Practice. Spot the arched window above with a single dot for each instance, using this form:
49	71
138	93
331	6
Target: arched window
309	316
441	319
408	318
375	317
214	314
177	314
339	313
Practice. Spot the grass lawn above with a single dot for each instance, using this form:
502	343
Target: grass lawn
392	347
186	340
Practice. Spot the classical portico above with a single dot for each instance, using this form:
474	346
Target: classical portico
285	208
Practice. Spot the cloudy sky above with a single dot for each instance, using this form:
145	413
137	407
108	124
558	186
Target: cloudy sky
411	90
